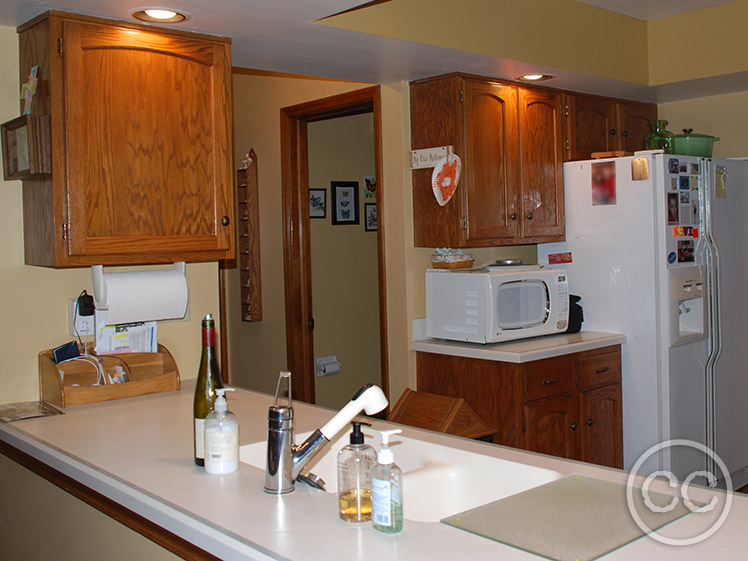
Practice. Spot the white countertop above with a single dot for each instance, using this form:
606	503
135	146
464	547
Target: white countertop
138	452
519	351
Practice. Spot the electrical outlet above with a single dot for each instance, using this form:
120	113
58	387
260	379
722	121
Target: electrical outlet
84	325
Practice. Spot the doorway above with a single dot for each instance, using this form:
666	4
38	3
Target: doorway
300	320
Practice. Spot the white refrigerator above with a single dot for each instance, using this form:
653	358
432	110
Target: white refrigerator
658	245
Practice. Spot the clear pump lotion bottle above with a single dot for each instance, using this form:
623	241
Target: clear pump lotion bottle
355	463
386	490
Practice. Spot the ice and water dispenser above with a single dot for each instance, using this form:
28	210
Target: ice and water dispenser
687	305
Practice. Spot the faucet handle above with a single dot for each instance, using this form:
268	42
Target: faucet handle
283	374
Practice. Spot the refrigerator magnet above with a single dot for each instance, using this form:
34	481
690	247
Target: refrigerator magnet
671	257
672	165
720	182
685	182
603	179
672	208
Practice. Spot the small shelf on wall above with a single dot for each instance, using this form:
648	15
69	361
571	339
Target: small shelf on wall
249	240
27	148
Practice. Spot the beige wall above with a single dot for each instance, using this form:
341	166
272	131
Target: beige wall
35	299
698	44
724	116
561	34
345	285
571	35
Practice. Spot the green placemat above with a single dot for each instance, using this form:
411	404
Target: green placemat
573	518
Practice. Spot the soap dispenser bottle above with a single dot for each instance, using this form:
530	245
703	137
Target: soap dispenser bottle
386	489
355	462
221	437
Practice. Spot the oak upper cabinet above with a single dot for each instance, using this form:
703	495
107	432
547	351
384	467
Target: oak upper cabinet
541	212
491	164
141	144
601	124
510	142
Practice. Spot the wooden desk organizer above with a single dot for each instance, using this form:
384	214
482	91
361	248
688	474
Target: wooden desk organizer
146	373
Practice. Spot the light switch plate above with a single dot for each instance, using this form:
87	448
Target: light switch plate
84	325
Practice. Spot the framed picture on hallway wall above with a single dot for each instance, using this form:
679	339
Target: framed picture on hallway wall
370	217
317	203
344	195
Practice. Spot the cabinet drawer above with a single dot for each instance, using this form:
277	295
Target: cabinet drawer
600	369
549	379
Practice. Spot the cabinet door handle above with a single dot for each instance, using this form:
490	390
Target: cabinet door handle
625	133
529	216
602	370
225	221
612	132
589	422
551	382
573	426
513	216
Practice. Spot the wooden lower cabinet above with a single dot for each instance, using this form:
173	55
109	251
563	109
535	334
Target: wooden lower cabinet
600	430
568	406
548	426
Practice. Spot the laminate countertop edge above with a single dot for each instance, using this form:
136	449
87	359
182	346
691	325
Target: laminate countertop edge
522	350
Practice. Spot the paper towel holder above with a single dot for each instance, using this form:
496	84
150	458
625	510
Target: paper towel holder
99	286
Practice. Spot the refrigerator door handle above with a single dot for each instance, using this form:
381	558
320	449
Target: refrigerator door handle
714	303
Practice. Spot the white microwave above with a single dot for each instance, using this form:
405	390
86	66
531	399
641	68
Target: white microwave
495	306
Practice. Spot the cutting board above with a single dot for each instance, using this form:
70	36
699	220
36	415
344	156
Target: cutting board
576	518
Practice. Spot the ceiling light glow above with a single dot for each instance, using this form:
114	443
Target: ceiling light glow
159	15
535	77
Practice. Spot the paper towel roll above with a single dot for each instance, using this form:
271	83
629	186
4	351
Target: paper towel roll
144	296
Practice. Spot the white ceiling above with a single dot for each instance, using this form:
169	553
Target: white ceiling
280	35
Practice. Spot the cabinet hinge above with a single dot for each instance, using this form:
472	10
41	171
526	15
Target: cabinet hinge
64	231
566	110
59	46
464	223
524	424
568	144
462	96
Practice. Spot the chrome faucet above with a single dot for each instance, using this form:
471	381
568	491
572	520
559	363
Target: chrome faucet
285	460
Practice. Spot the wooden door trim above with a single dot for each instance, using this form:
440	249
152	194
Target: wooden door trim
296	252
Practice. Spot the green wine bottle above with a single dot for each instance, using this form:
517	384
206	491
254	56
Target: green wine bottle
208	379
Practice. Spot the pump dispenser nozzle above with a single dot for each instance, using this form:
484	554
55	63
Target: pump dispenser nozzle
220	404
385	455
357	437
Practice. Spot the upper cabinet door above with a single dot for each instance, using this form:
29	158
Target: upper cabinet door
633	119
592	126
148	145
491	171
541	142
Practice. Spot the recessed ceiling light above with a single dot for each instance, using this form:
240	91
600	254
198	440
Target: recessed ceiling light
159	15
535	77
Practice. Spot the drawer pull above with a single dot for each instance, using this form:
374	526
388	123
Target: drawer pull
589	422
551	382
573	426
602	370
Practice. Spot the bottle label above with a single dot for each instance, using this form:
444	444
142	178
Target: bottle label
199	439
381	504
209	337
221	446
